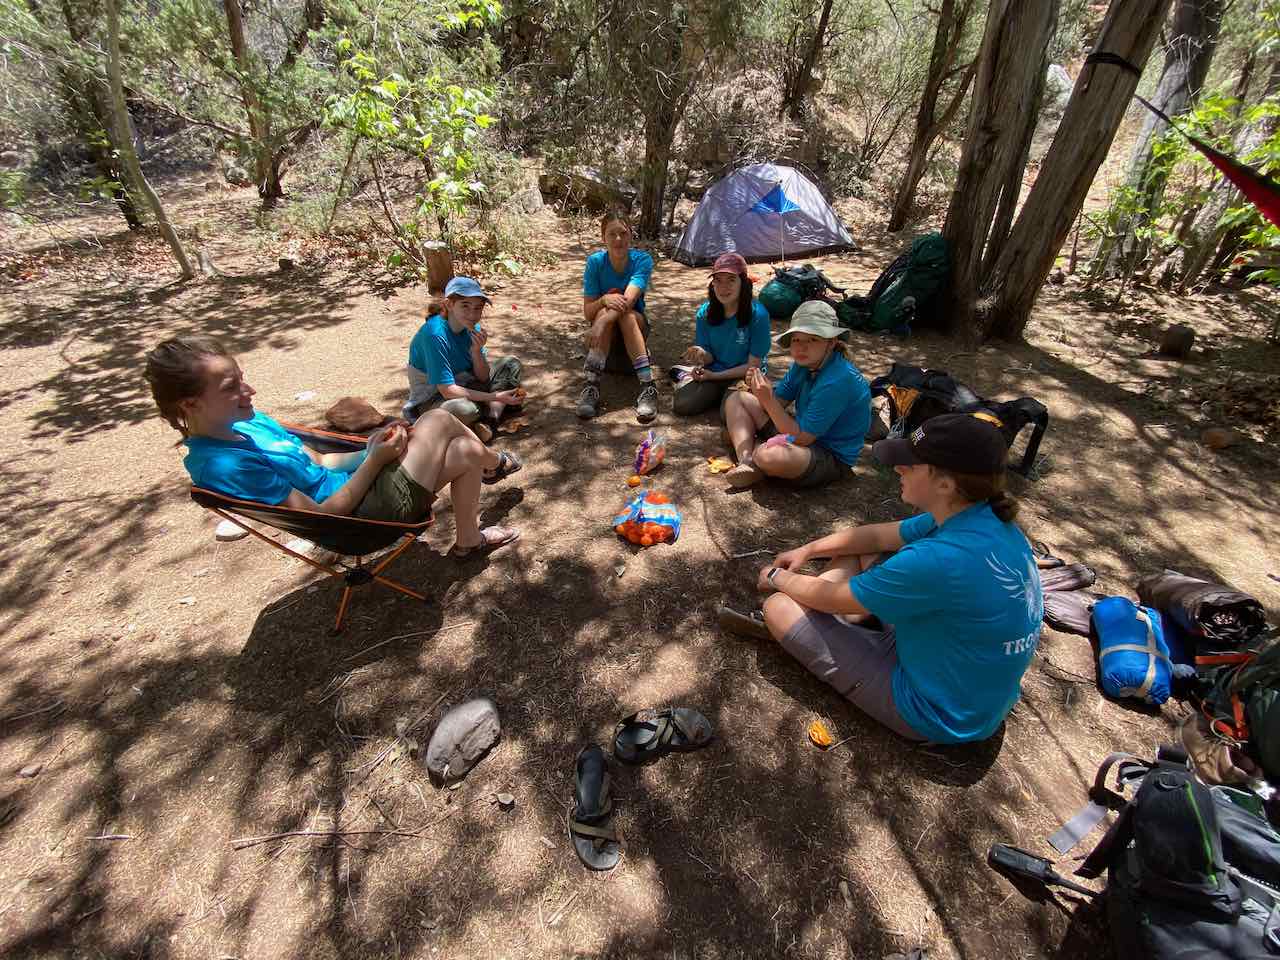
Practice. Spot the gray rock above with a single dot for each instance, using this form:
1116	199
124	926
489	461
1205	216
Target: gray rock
237	175
31	770
461	739
528	200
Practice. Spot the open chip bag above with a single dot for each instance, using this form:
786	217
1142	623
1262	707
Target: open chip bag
649	517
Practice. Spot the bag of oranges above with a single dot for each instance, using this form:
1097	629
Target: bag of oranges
651	452
648	518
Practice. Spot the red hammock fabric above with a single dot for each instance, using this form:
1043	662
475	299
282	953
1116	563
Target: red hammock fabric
1261	190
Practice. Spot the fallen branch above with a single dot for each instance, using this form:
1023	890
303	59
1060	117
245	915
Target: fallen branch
32	713
243	843
750	553
406	636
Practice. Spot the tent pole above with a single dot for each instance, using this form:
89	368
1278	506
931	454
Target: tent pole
782	232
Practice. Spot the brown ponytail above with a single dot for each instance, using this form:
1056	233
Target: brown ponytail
175	372
989	487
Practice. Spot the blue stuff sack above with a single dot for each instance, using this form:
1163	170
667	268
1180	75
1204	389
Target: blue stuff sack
1133	659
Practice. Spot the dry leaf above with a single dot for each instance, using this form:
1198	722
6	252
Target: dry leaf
820	735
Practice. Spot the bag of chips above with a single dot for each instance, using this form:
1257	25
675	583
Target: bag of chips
651	452
648	518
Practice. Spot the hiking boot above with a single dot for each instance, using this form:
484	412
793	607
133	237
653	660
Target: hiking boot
589	402
647	403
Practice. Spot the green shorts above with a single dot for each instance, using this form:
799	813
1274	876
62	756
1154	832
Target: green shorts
396	496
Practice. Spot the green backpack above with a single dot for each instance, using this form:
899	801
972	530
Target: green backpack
917	274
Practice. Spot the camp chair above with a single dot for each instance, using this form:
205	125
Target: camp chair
348	536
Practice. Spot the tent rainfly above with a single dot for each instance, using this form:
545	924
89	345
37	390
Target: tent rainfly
764	212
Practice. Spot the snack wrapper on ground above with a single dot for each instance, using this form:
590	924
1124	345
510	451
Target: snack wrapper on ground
648	518
651	452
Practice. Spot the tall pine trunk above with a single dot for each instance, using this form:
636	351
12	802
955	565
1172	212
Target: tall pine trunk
1007	88
929	122
124	142
1188	56
1098	102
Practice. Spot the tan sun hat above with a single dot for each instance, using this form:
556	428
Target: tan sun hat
816	318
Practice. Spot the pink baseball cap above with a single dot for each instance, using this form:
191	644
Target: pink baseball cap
730	263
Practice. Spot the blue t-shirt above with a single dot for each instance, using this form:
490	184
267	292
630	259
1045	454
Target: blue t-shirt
965	603
730	344
833	403
439	352
599	277
264	466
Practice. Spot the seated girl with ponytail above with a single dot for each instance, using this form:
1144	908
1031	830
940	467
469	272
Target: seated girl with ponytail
932	638
241	452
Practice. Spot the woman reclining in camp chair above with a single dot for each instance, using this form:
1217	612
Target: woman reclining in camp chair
240	452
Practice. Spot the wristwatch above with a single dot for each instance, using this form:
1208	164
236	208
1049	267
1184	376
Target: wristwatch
773	572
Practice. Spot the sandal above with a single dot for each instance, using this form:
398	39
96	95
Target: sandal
494	537
649	734
746	624
598	846
508	463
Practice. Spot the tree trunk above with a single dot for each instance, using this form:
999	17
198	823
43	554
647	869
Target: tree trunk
659	132
946	42
797	88
266	170
1098	102
1007	86
124	142
1195	28
1192	262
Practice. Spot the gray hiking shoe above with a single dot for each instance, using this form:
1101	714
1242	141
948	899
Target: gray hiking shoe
647	403
589	402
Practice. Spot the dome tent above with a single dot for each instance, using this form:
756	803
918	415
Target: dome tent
764	211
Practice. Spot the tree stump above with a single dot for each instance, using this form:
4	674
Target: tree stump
439	266
1177	341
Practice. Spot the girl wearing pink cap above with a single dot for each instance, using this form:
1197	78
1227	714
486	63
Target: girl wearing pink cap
731	336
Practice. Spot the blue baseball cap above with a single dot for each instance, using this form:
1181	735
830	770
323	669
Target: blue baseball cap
465	287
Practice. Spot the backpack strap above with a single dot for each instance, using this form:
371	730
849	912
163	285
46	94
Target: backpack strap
1101	800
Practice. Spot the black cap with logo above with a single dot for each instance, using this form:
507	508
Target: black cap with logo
963	442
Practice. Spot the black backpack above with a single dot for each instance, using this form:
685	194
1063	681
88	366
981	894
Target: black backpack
916	394
1192	871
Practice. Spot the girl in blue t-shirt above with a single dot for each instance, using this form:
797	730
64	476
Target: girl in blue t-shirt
731	336
927	624
821	440
238	451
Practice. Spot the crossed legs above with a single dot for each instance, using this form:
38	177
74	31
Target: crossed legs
744	417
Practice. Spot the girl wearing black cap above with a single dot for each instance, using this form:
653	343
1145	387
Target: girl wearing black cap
932	639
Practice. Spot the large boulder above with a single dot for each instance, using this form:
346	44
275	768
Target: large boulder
461	739
587	188
528	200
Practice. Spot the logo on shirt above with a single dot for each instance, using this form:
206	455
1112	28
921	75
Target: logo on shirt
1021	587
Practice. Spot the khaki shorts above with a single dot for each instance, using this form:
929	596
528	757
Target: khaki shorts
396	496
857	661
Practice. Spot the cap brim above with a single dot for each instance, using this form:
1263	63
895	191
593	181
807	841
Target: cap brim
896	452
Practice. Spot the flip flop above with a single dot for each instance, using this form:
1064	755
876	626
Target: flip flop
649	734
597	845
508	463
746	624
494	537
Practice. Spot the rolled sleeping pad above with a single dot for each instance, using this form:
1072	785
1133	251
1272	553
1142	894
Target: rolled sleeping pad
1133	659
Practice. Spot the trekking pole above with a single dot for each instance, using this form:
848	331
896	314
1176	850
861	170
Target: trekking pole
1014	863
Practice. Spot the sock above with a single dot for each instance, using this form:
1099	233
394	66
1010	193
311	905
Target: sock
643	370
594	366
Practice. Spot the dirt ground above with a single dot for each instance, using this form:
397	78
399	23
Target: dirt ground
179	694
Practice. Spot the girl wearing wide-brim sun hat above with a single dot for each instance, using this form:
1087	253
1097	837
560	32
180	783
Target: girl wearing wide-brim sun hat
822	439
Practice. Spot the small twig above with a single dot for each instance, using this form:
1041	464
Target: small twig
711	870
32	713
242	843
373	764
565	906
406	636
112	836
750	553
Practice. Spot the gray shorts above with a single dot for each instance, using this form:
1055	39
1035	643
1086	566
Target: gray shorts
856	661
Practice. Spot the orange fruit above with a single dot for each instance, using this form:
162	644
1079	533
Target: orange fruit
646	541
633	536
620	528
635	480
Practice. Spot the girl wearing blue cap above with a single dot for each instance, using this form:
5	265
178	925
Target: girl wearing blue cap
448	366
